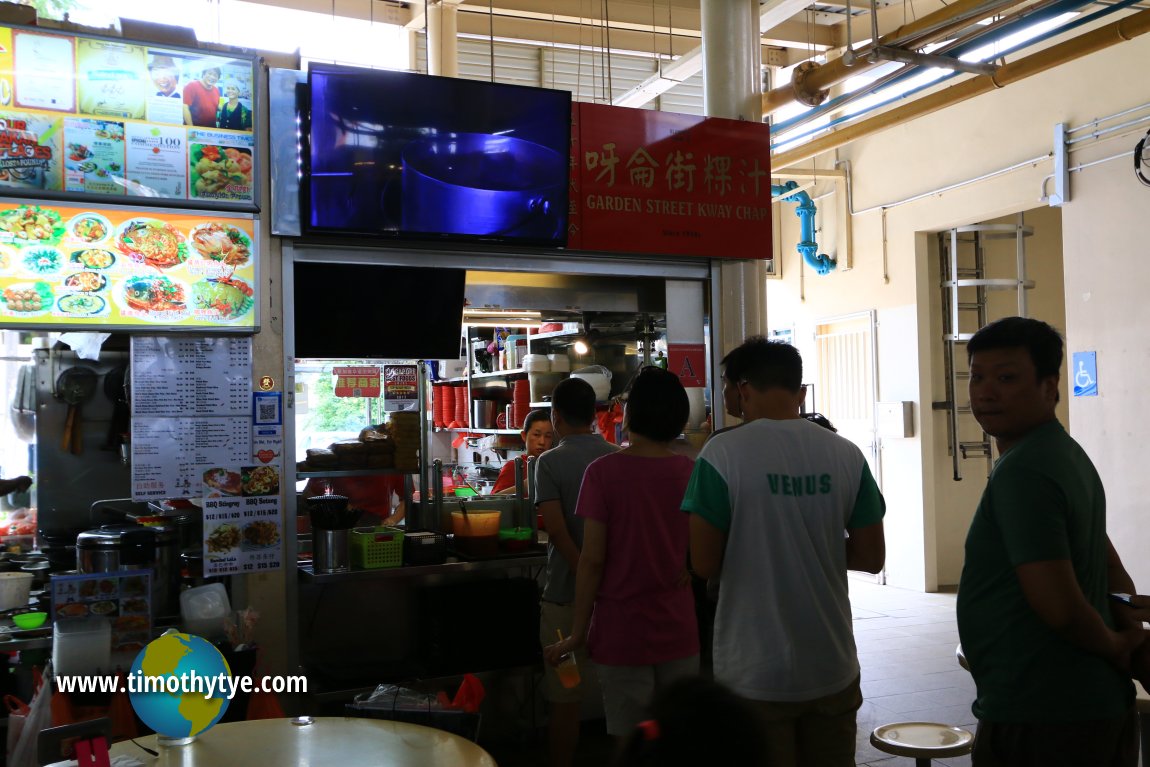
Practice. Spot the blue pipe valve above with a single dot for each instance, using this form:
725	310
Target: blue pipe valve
807	247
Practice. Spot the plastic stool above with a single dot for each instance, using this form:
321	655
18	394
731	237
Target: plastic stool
922	741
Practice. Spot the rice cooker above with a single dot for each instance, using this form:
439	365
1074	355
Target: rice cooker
600	379
135	547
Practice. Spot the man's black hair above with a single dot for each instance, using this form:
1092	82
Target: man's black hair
657	404
765	364
1041	341
574	399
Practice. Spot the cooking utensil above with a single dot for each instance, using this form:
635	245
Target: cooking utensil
115	389
331	512
75	386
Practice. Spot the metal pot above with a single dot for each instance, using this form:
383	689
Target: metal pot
188	523
115	547
483	413
135	547
166	586
483	184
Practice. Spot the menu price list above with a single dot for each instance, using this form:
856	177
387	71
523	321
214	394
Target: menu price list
191	376
242	534
167	451
191	407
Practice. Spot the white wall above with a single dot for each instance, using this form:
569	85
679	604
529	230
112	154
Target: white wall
1107	273
893	271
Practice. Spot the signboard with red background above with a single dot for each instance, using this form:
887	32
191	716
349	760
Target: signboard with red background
357	381
659	182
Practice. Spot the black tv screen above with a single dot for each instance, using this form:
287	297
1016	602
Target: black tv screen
370	311
425	157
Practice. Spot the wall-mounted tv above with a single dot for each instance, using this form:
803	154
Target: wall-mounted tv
373	311
423	157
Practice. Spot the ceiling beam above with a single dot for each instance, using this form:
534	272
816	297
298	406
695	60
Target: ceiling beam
545	33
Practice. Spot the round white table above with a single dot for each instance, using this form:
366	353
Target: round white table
326	741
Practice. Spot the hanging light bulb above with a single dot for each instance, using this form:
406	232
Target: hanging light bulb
581	347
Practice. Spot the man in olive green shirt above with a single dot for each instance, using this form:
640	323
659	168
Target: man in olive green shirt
1050	659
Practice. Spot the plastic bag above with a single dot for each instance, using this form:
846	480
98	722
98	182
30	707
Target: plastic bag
17	713
39	717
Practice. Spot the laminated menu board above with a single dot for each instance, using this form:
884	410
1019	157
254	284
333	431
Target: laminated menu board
67	267
243	531
87	116
124	597
191	410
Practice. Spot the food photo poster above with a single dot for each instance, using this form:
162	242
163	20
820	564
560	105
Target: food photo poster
116	118
65	266
243	531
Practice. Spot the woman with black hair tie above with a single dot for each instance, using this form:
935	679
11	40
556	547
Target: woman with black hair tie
633	603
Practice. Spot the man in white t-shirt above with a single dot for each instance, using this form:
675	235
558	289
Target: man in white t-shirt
783	507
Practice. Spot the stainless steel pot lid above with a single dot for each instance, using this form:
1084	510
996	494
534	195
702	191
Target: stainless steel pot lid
112	536
163	516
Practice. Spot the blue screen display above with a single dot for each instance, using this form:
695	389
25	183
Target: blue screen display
425	157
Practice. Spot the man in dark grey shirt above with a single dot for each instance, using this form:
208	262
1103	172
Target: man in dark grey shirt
558	475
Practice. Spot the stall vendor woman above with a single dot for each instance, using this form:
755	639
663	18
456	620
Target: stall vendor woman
537	437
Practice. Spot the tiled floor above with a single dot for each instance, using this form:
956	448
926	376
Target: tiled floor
906	644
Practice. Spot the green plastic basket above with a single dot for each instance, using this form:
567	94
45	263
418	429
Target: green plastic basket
376	547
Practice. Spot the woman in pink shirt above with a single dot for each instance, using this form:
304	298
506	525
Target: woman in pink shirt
633	602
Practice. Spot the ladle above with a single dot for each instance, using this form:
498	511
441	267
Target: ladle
75	386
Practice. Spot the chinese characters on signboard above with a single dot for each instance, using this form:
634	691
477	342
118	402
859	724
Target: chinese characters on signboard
357	381
659	182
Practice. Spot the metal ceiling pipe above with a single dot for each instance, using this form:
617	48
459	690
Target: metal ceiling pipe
1091	42
809	82
1041	11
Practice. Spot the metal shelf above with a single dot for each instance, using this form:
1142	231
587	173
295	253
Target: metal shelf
554	334
512	372
349	473
478	431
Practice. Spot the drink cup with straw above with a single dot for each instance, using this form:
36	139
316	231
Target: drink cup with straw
567	669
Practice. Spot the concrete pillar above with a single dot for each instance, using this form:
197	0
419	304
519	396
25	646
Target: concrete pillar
443	39
732	85
732	88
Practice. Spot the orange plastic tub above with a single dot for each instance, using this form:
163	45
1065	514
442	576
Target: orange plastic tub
476	524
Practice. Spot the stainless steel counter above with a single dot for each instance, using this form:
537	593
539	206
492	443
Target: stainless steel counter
307	575
14	639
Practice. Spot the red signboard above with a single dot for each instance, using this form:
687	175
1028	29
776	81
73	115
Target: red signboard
659	182
357	381
689	362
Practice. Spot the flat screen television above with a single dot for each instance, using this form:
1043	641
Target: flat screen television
423	157
372	311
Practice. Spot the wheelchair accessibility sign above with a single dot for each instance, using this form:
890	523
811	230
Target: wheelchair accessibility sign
1085	374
